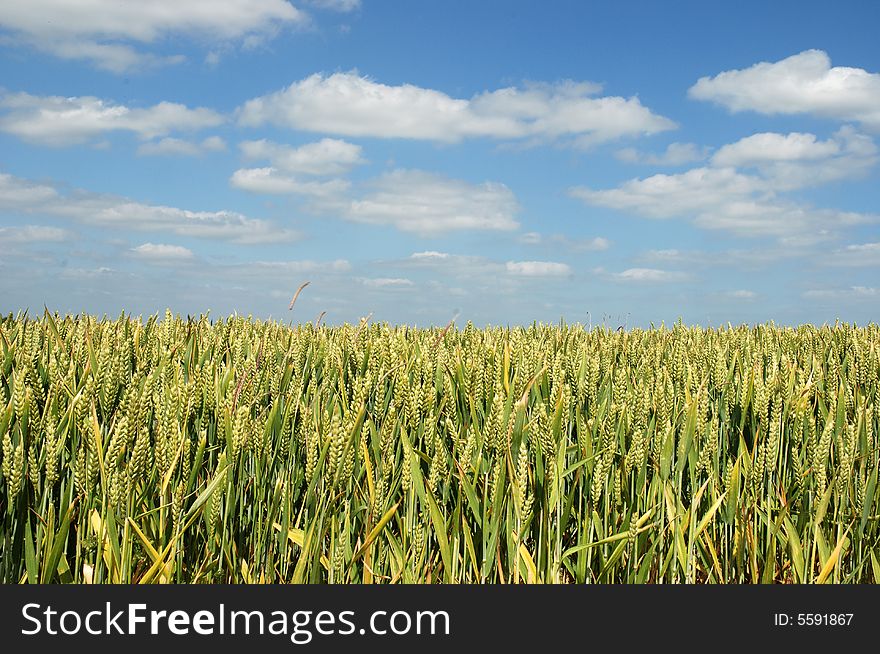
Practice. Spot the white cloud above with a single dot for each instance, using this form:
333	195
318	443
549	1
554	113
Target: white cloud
424	203
283	268
665	255
469	265
213	144
723	196
58	121
464	263
271	181
159	252
751	258
33	234
351	105
743	294
97	31
325	157
429	255
769	146
851	293
537	269
88	273
649	275
797	160
856	255
30	198
180	147
530	238
796	225
801	84
595	244
20	194
666	196
386	282
342	6
676	154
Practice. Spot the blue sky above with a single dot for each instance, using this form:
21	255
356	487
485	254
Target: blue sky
500	161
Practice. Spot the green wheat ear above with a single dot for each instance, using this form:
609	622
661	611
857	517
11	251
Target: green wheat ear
377	453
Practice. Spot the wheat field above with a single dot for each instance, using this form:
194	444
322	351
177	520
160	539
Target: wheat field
196	451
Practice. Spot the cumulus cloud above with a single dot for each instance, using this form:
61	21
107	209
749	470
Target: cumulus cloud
286	268
669	254
342	6
180	147
351	105
160	252
851	293
33	234
537	269
425	203
723	199
675	154
769	146
59	121
797	160
794	224
649	275
530	238
289	164
101	31
31	198
325	157
386	282
737	257
594	244
742	189
89	274
856	255
478	267
742	294
804	83
429	255
666	196
271	181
